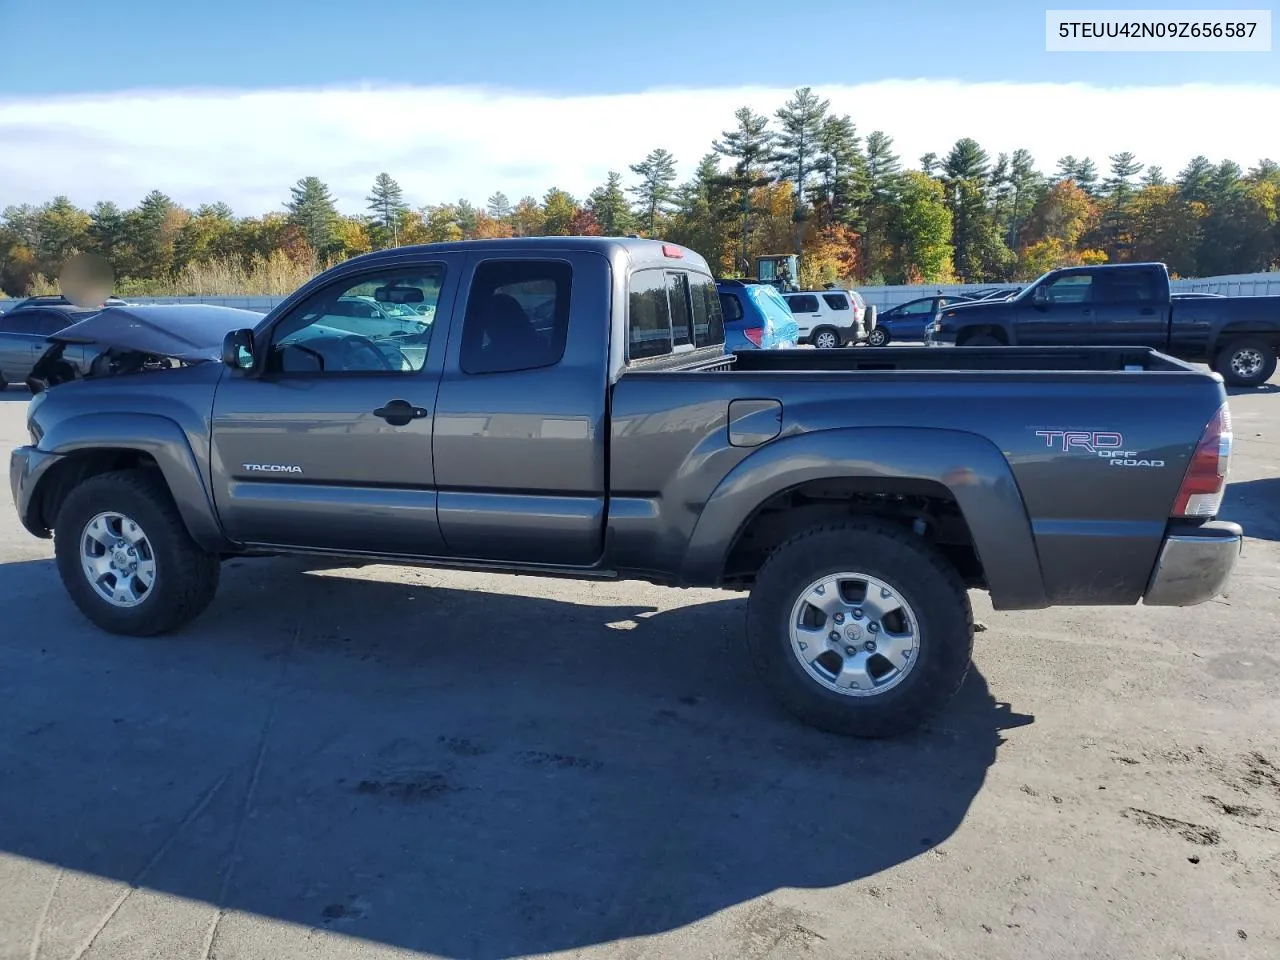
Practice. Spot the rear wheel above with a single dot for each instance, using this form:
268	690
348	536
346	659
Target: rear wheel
824	338
126	558
1247	362
860	628
982	340
879	337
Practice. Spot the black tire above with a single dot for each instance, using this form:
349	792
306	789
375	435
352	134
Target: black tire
1231	361
913	568
879	337
186	576
820	332
983	340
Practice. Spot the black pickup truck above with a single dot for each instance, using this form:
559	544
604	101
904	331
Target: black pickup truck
1124	305
565	407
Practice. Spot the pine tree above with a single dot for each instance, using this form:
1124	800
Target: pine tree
1027	185
797	153
1119	185
608	204
386	201
1195	180
311	209
498	206
1154	177
750	146
843	168
656	190
468	218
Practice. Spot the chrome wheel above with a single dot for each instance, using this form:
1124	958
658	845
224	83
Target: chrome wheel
854	634
1246	363
826	340
117	559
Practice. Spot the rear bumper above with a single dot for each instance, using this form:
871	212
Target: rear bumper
1195	563
26	466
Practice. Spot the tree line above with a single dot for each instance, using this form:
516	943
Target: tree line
803	180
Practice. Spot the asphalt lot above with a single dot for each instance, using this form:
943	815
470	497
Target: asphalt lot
376	762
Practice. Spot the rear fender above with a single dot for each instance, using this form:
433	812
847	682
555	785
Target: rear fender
161	439
971	467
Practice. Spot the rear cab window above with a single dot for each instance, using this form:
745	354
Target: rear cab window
517	316
671	310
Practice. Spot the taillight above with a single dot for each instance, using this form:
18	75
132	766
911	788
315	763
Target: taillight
1206	478
754	334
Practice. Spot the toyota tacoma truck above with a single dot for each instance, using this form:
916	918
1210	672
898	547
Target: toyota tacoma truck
565	407
1124	305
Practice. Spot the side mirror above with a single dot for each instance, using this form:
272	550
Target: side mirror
1041	296
237	349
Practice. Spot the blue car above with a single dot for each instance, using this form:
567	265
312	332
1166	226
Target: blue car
907	321
756	317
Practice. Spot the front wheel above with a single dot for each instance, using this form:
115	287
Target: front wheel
860	628
879	337
1248	362
126	558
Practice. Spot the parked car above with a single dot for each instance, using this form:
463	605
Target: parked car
755	317
52	300
831	318
907	321
1125	305
858	495
24	333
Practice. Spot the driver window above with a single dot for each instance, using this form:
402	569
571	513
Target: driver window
1073	288
374	323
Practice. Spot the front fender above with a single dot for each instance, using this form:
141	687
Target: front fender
160	438
971	467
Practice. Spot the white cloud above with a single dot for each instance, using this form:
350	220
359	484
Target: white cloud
441	143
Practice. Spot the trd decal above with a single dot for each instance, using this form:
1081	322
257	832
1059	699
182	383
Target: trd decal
1104	444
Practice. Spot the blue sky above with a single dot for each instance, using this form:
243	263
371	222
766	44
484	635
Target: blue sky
567	46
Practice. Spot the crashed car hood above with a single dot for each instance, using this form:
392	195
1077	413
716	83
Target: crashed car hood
184	331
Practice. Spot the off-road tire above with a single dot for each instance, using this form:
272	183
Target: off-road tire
914	568
1222	363
186	575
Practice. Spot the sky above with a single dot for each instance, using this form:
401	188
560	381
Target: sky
236	100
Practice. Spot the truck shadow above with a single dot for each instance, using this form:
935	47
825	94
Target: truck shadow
1255	505
463	773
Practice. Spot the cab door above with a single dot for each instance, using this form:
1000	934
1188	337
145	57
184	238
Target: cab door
327	443
1061	315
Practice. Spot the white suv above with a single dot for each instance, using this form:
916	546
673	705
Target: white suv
831	318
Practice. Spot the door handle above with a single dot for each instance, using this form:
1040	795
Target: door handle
1086	311
400	412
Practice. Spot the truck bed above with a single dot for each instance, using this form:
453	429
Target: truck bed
984	360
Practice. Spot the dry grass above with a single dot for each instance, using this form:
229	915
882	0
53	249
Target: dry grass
272	276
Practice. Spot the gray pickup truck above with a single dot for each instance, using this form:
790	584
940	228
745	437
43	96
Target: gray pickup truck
565	407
